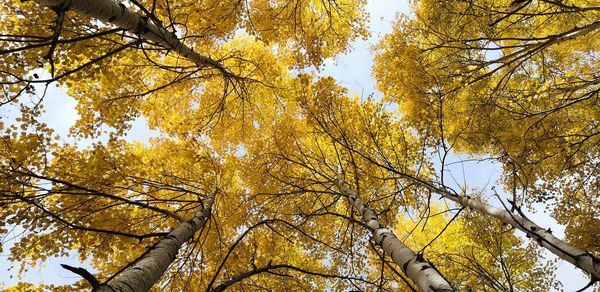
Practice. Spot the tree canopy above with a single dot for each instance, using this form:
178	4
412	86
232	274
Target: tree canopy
267	175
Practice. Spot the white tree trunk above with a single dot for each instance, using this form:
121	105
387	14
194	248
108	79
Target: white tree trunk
117	14
544	237
150	268
415	267
579	258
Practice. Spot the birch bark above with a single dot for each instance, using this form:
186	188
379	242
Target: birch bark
414	266
581	259
117	14
150	268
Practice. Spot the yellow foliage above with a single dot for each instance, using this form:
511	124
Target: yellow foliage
273	139
512	82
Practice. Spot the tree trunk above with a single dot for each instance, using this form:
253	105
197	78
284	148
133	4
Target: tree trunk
117	14
414	266
150	268
581	259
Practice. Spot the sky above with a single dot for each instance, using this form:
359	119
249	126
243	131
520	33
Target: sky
352	70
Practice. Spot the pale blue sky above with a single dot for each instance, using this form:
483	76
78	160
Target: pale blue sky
352	70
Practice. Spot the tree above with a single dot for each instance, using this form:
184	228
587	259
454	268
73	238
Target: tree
74	46
264	176
515	81
333	123
364	141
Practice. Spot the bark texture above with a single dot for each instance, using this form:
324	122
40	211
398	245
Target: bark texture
117	14
581	259
150	268
414	266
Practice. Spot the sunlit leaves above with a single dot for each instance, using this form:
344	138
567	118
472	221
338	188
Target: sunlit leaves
517	83
272	138
476	253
